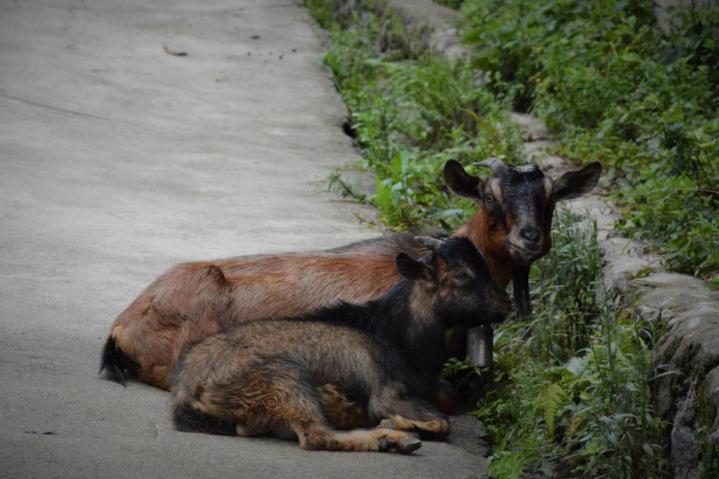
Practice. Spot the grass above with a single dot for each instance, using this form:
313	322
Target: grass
455	4
411	112
616	87
570	394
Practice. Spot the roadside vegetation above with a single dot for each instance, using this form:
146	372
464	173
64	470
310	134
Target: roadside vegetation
410	113
570	395
617	87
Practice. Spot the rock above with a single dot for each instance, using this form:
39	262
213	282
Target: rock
684	305
677	294
438	24
684	452
551	163
618	274
536	150
534	129
681	303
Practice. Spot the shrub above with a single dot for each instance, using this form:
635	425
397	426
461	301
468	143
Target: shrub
618	88
411	112
570	394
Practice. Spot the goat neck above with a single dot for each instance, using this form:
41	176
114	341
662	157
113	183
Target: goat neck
492	247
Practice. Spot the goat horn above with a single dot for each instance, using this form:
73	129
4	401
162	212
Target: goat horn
432	244
495	164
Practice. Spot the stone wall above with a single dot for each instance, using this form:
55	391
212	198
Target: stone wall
681	304
663	9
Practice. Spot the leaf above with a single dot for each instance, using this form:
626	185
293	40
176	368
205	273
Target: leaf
574	424
445	213
554	397
648	449
575	366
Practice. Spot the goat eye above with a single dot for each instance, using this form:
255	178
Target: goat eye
488	198
461	276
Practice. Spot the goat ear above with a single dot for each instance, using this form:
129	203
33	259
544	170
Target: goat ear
461	182
577	183
411	269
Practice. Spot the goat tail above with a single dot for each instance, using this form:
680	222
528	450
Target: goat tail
189	419
113	362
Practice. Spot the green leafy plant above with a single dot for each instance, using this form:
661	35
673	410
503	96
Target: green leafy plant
411	112
456	4
322	10
570	394
570	390
618	87
554	397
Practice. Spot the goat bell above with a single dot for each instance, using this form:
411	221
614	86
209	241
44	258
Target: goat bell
480	346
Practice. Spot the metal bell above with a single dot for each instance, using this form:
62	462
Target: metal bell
479	346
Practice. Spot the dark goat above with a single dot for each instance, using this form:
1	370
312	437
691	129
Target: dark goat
514	223
344	366
195	300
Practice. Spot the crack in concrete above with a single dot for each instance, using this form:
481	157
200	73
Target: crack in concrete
61	110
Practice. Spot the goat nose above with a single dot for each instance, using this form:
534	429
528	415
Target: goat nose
531	234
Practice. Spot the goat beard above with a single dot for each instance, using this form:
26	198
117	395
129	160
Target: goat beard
520	286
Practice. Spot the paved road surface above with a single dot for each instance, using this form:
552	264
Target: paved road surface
119	159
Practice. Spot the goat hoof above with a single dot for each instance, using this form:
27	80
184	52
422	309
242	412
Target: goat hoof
408	445
387	424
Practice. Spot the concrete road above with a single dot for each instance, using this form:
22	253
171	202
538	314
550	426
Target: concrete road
134	135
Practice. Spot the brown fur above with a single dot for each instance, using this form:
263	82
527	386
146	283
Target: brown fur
488	235
221	378
195	300
341	412
344	366
437	427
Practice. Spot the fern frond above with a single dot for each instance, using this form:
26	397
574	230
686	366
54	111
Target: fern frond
553	399
574	425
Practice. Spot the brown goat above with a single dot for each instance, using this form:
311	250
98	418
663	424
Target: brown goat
343	366
195	300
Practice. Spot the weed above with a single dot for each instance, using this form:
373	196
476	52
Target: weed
617	87
455	4
571	391
412	112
